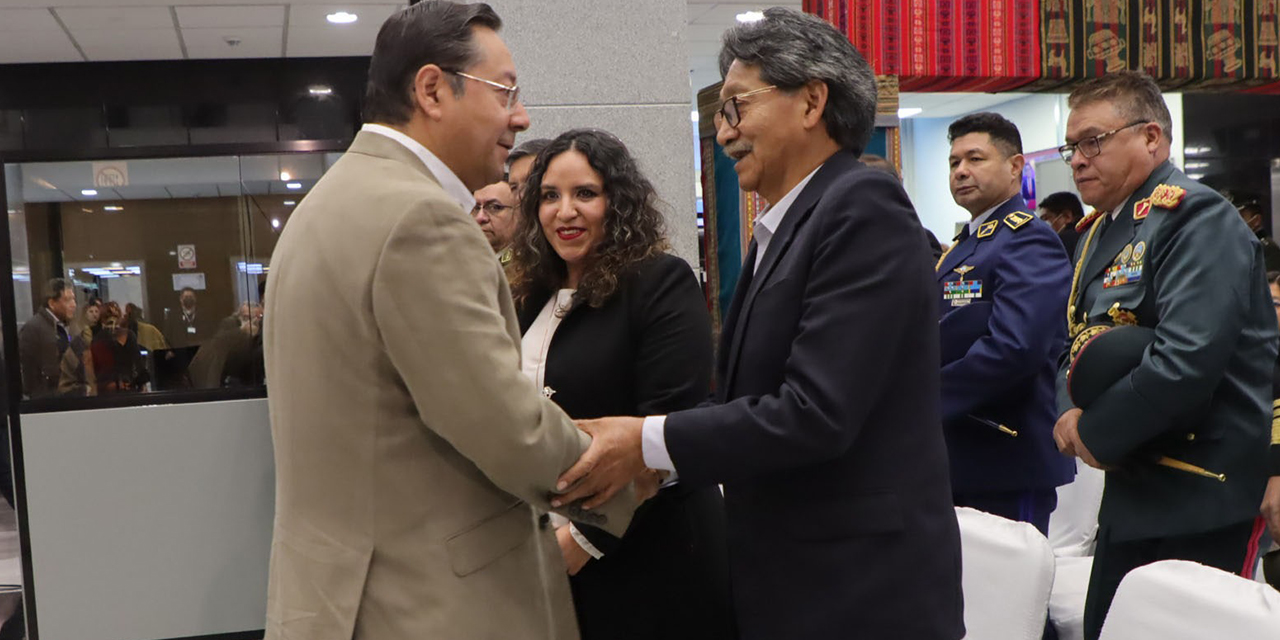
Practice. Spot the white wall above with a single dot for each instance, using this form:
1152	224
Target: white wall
1041	119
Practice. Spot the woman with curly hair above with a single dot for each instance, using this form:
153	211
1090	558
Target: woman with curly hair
613	325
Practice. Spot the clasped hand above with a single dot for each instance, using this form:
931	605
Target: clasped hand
614	460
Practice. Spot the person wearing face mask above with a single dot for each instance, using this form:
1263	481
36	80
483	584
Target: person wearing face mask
118	365
614	325
1003	288
187	326
1168	254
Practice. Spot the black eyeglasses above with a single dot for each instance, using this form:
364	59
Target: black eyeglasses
492	207
730	109
1092	146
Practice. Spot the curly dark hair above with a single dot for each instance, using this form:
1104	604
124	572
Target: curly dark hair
634	227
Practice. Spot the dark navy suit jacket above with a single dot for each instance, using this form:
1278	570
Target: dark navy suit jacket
1000	353
825	433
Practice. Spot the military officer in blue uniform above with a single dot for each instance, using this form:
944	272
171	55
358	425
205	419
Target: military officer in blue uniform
1003	288
1171	255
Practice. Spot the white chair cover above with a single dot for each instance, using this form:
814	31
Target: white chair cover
1008	570
1073	525
1180	600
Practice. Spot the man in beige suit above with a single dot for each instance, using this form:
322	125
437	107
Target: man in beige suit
412	457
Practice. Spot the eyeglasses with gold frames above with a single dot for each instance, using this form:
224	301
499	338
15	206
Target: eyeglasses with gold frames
730	111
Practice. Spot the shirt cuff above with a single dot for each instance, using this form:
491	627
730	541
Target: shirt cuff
653	444
585	543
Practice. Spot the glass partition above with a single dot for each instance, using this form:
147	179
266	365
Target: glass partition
146	275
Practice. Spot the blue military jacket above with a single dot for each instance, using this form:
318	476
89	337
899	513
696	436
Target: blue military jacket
1003	298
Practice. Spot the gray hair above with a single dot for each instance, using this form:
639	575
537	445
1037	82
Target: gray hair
432	32
1133	94
526	149
791	48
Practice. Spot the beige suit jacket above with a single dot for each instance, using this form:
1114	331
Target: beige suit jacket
410	451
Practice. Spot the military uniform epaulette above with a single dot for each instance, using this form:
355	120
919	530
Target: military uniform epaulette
1167	196
1016	219
1088	220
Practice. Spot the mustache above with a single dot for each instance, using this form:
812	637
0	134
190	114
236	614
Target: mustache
737	149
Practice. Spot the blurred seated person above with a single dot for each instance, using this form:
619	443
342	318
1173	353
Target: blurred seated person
149	337
86	322
1063	211
614	325
495	212
1251	212
520	160
118	364
882	164
45	337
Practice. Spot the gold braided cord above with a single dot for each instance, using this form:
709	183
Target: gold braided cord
1073	327
944	255
1275	422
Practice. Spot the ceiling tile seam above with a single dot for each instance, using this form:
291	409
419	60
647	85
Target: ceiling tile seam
56	18
284	33
177	30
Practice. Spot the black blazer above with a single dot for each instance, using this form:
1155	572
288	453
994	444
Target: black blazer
646	351
826	433
40	350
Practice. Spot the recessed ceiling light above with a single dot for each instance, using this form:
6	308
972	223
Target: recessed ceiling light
342	17
751	16
284	175
293	185
290	203
320	91
113	207
275	223
907	112
89	192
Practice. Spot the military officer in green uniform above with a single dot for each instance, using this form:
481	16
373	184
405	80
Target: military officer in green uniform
1164	252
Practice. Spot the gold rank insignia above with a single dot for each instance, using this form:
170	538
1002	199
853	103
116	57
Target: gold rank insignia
1141	208
987	228
963	269
1017	219
1167	196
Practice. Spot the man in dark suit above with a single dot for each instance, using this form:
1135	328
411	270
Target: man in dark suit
824	429
1004	287
43	339
1063	211
186	327
1172	255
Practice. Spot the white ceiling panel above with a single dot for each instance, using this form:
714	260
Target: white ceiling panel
27	20
949	105
129	44
241	16
37	46
77	18
307	42
254	42
313	15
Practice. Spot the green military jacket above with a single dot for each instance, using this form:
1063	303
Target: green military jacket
1178	259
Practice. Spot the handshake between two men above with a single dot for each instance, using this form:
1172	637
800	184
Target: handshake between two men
614	460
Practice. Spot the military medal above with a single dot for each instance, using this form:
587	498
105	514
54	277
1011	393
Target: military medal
961	292
963	269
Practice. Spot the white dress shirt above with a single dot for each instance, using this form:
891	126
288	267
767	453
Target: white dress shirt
653	439
977	222
534	348
449	181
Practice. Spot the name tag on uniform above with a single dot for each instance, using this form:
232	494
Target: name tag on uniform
961	292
